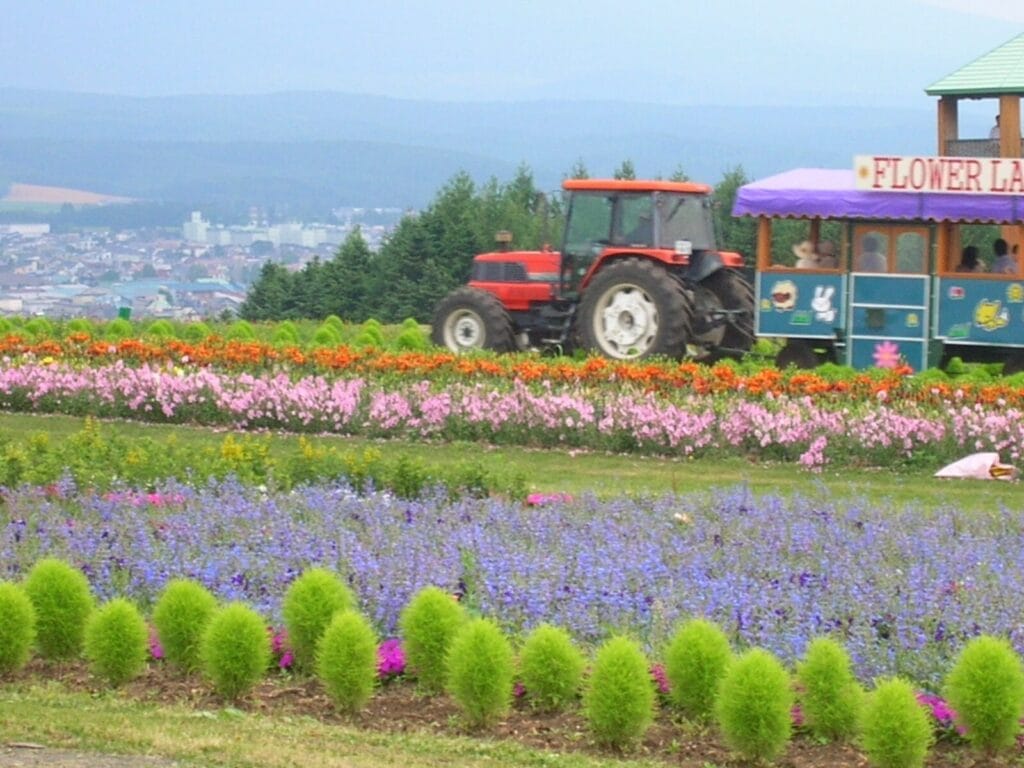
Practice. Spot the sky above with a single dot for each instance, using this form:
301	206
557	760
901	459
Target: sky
828	52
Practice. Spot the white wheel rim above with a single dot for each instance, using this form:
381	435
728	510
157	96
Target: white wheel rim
464	330
625	322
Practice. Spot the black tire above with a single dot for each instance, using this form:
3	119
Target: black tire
734	293
468	319
634	308
1014	363
798	353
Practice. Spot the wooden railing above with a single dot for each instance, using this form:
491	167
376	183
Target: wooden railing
975	148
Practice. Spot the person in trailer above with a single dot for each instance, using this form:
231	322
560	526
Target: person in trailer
1004	263
827	255
871	258
969	260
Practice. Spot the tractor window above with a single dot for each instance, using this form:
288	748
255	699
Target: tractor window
587	232
685	217
635	222
590	220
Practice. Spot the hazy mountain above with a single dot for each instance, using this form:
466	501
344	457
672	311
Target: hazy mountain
334	149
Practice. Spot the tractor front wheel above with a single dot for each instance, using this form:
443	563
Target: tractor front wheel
633	309
468	319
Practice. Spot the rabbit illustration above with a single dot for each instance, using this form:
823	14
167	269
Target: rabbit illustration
822	303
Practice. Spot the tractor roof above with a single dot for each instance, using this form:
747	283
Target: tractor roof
631	185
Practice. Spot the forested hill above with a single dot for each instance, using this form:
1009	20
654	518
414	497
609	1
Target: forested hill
343	149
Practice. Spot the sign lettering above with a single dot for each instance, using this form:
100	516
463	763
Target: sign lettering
961	175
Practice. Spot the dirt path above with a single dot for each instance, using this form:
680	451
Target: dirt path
21	755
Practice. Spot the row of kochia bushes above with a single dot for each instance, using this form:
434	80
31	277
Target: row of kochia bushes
750	696
332	331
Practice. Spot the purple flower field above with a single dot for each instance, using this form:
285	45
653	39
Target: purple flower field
902	588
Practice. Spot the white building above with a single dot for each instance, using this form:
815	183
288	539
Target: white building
194	230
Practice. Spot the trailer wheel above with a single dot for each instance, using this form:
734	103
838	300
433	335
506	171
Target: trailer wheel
734	293
1014	363
468	319
634	308
797	353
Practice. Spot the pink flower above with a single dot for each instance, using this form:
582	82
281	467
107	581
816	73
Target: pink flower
660	679
390	659
540	499
155	649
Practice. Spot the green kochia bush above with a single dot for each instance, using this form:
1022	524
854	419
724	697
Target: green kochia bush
235	650
309	605
180	616
754	705
62	601
619	699
117	642
551	667
427	625
17	627
695	661
118	329
479	666
831	697
895	729
986	689
346	660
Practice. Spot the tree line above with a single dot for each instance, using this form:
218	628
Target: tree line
430	253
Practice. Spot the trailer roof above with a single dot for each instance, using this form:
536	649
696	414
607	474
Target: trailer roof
633	185
832	194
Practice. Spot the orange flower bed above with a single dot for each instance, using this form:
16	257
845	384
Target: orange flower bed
660	376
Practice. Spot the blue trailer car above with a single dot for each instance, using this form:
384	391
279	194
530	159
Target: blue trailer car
894	292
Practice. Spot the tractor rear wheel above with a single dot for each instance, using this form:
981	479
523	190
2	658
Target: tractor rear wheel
634	308
468	319
735	294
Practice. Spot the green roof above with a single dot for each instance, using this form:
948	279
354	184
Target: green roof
998	71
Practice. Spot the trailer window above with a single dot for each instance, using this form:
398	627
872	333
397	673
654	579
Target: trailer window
912	252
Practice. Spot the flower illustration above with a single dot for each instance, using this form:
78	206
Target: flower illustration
887	354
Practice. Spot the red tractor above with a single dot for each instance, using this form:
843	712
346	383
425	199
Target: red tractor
638	275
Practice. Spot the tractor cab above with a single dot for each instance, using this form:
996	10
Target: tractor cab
666	220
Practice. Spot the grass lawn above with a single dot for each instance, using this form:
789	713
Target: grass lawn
110	723
577	472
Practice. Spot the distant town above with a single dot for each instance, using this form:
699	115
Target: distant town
198	271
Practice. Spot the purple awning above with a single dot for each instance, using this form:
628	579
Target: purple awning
827	193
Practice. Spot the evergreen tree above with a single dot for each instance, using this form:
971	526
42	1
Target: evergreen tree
578	170
625	171
269	295
734	234
347	276
679	174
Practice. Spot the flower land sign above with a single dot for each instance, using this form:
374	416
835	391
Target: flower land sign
971	175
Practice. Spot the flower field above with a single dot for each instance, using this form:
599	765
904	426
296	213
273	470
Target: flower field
903	589
890	425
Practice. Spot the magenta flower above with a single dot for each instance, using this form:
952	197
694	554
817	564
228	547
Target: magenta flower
540	499
155	649
390	659
660	678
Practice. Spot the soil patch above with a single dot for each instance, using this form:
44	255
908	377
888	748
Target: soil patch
398	707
